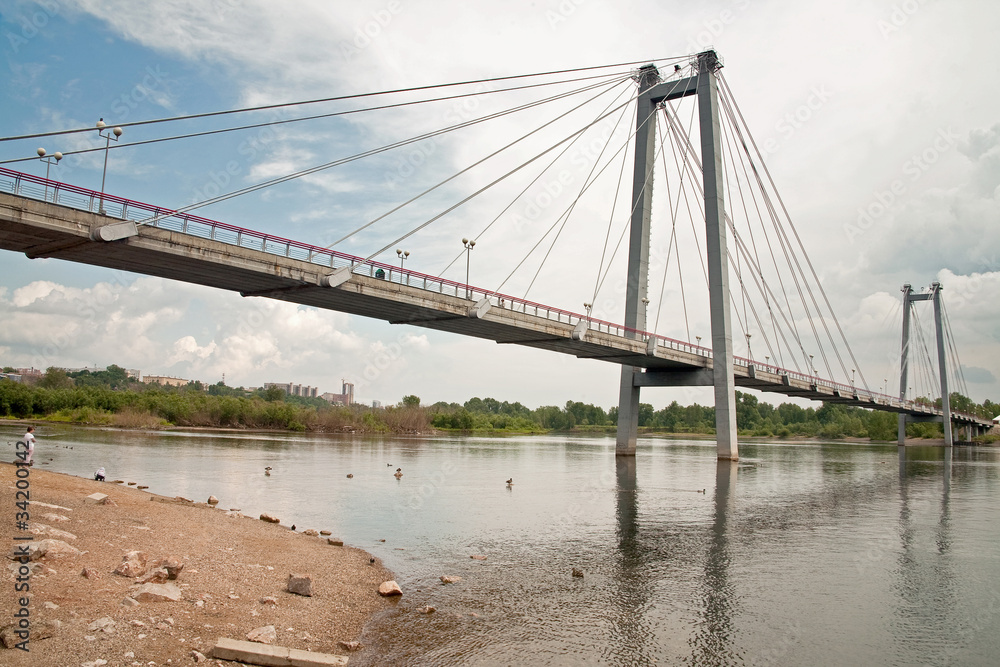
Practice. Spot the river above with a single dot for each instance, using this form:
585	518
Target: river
800	554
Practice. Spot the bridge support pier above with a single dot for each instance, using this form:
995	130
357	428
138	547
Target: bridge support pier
652	93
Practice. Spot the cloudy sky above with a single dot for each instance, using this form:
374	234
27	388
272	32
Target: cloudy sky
879	119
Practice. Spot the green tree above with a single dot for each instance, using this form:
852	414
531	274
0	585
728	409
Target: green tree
55	378
411	401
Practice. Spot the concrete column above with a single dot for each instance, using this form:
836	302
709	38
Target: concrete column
638	254
942	366
718	257
904	361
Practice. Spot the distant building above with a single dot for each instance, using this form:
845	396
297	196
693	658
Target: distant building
345	397
13	377
376	404
294	389
996	420
29	373
166	381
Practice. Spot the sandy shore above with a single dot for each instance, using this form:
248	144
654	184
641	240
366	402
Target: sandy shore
230	564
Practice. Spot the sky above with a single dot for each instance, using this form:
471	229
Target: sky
879	120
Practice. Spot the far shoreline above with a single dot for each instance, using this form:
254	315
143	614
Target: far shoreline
602	431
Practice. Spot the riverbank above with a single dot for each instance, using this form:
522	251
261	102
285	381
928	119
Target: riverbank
231	563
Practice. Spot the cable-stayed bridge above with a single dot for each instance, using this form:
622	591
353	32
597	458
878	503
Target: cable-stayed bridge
44	218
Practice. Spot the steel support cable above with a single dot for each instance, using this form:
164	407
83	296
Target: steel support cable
953	348
624	148
673	224
625	227
893	364
727	160
611	220
346	160
286	121
587	182
694	170
792	260
268	107
489	185
693	182
473	165
927	367
672	241
782	241
791	224
765	287
734	154
528	186
741	248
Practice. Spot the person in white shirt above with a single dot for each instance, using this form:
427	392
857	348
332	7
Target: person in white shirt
29	440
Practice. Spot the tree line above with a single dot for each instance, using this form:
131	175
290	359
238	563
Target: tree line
111	397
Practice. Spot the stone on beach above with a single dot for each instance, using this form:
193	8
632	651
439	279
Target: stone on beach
95	497
43	549
90	573
450	580
134	564
212	500
270	518
54	518
300	584
477	557
577	572
311	532
49	531
264	635
426	610
157	576
335	542
350	646
171	565
158	593
105	624
389	588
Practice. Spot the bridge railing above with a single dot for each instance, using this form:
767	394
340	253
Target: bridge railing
72	196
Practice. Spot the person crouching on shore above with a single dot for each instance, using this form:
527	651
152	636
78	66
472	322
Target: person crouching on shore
99	475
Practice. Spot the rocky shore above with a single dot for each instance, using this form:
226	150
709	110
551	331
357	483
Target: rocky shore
139	579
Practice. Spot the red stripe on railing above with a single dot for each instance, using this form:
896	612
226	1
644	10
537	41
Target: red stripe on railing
523	304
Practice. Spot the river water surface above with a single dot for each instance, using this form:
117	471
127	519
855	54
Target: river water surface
800	554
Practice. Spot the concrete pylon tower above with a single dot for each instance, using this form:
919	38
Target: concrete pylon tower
652	93
908	298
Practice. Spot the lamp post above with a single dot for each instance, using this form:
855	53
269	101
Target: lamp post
48	163
811	365
588	307
749	350
698	340
117	132
403	256
468	245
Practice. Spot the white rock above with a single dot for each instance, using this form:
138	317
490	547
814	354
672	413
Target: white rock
133	564
387	588
105	624
158	593
264	635
53	517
